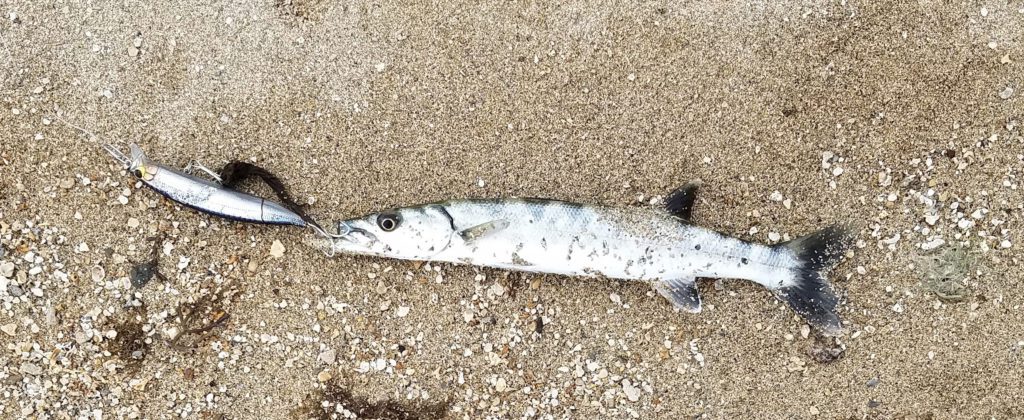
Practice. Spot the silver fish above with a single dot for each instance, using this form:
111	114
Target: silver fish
650	244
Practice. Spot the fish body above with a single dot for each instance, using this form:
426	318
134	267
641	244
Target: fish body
659	246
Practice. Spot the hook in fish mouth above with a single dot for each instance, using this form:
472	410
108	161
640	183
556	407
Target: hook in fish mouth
355	236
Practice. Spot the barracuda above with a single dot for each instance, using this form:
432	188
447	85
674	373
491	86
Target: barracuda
656	245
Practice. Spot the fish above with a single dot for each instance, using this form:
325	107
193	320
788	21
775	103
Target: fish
658	245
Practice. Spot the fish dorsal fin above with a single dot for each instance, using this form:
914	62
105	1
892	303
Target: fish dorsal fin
483	229
680	202
681	292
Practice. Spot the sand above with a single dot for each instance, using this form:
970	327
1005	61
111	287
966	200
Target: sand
906	118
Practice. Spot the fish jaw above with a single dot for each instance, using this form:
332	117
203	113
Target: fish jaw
357	238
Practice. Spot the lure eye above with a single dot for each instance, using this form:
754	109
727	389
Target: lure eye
137	172
388	222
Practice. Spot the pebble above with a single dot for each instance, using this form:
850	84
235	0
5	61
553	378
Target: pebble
402	311
1006	93
775	196
631	391
323	376
31	369
133	52
500	385
98	273
328	356
7	269
497	289
277	249
10	329
133	222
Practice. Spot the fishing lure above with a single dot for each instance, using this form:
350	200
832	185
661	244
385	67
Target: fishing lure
208	196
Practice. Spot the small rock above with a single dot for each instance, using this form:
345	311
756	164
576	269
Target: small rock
15	290
328	356
500	385
133	222
1006	93
7	269
31	369
632	392
277	249
98	273
497	289
133	52
323	376
10	329
402	311
873	382
775	196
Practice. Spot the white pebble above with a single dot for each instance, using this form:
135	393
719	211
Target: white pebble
277	249
1006	93
631	391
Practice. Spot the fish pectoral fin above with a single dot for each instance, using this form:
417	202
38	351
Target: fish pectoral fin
483	229
680	202
681	292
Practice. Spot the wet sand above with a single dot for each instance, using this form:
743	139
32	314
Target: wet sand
906	118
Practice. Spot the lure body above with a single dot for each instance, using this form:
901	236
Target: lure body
204	195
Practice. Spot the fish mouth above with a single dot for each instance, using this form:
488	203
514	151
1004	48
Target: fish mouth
354	239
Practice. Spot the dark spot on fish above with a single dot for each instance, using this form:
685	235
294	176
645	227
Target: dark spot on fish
743	260
543	243
697	247
431	249
517	260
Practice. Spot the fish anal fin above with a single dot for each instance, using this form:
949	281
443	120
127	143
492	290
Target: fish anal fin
482	230
680	202
682	292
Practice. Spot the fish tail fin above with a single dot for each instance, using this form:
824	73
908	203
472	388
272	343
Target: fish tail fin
808	292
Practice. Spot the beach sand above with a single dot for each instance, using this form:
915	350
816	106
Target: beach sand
906	118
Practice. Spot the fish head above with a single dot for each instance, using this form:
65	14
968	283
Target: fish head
411	233
140	166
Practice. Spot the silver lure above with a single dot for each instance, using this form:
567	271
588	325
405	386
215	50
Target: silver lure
648	244
203	195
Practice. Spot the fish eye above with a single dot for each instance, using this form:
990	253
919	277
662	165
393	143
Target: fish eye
388	221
